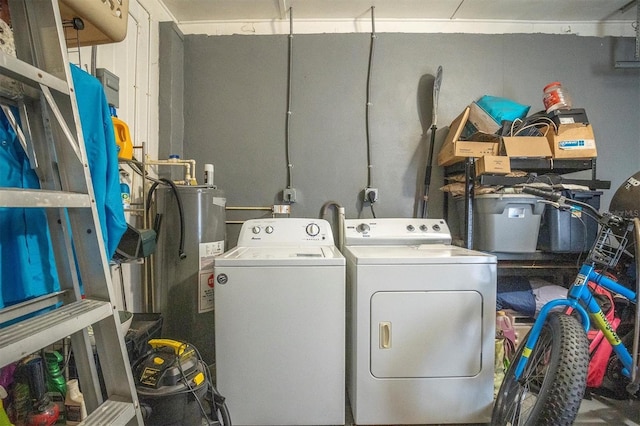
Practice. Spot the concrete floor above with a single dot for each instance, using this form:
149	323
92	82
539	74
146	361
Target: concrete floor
600	410
594	410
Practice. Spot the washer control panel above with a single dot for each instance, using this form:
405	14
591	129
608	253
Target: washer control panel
392	231
285	231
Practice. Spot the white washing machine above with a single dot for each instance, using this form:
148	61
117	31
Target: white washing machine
420	324
280	324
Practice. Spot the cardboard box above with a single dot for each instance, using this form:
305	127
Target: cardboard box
493	164
454	150
480	121
573	141
526	146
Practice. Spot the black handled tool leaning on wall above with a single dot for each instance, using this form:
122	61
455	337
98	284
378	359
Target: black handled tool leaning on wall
434	117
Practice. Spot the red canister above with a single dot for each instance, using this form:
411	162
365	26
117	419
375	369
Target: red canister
556	97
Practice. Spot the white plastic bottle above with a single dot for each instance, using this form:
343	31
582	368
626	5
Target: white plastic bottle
74	406
208	174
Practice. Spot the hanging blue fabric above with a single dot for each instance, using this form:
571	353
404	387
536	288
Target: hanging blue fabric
102	154
27	269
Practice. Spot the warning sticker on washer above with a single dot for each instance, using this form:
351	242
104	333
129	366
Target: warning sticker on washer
207	252
205	299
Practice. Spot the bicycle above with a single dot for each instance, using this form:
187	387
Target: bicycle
546	381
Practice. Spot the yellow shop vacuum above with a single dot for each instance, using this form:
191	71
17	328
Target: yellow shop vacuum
174	387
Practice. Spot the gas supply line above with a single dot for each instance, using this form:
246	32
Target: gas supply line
189	165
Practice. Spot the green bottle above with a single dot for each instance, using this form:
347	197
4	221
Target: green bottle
55	379
56	385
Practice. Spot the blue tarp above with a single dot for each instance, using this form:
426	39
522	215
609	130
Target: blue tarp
102	154
27	268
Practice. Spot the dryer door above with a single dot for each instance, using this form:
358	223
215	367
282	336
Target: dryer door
425	334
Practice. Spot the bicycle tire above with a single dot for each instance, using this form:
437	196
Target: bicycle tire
554	381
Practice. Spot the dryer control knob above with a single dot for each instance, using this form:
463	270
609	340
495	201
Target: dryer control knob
268	229
313	229
410	228
424	228
436	227
256	229
363	228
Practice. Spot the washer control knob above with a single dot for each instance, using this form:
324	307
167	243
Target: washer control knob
424	228
436	227
256	229
313	229
268	229
411	228
363	228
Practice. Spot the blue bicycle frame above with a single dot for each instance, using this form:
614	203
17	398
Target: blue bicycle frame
579	291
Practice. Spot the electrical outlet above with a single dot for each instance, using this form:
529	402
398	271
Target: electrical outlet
370	195
289	195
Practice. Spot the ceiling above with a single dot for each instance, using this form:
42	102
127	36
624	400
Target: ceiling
594	11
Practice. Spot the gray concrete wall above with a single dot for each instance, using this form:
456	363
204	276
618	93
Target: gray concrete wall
171	96
235	108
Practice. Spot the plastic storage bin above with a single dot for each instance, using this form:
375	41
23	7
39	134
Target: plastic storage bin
569	232
505	223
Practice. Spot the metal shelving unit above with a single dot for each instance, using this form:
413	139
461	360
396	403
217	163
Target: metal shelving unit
51	135
139	209
540	166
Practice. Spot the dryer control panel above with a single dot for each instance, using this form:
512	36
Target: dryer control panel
285	231
394	231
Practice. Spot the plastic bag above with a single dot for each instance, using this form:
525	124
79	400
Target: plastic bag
501	109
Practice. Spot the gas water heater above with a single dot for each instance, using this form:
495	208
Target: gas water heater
183	289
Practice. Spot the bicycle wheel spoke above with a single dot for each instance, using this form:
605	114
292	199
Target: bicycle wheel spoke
538	365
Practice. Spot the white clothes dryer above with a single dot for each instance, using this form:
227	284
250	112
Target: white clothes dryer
420	324
280	324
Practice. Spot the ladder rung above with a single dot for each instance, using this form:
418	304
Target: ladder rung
21	71
19	197
111	412
28	336
18	310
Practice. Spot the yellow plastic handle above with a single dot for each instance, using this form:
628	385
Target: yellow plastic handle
123	138
178	347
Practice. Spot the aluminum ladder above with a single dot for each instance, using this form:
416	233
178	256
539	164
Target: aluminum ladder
51	136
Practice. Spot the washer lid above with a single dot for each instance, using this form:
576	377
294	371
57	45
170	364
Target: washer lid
416	254
281	256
